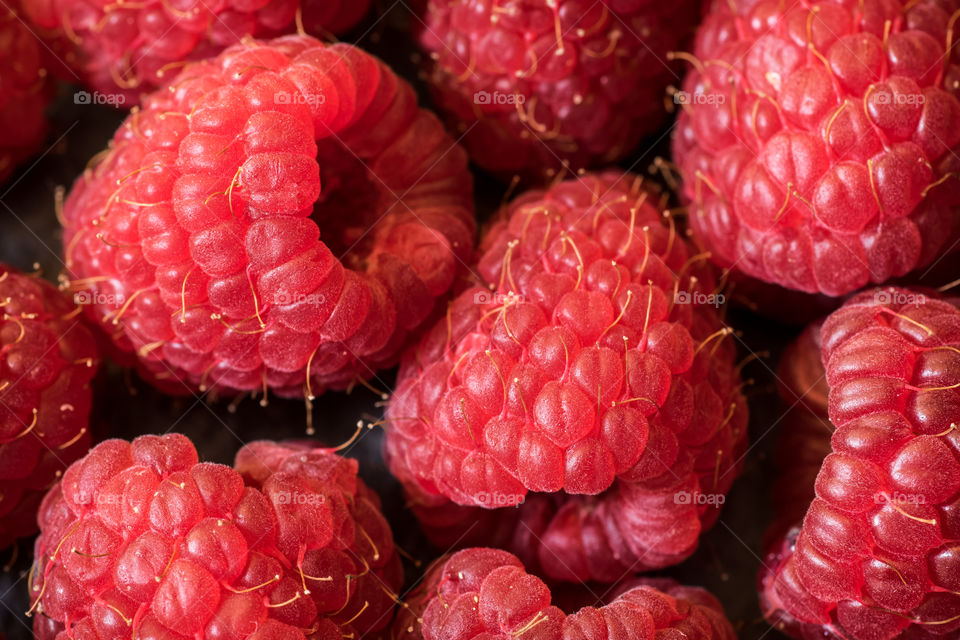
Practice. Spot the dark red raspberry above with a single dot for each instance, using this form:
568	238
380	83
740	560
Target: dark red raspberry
591	371
142	540
487	593
878	554
817	139
25	90
198	234
131	48
530	85
47	360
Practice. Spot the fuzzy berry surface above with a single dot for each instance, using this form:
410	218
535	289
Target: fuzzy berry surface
482	592
27	90
533	84
281	217
47	361
817	145
878	552
591	378
140	539
126	49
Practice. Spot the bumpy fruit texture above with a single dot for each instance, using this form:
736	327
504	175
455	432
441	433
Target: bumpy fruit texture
817	145
877	556
487	593
26	90
282	216
532	84
47	361
142	540
591	371
127	49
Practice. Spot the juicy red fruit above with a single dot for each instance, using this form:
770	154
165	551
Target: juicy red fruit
141	538
282	217
47	361
817	145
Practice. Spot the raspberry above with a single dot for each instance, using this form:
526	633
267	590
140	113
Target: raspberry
26	90
877	554
128	49
140	538
47	361
590	372
817	142
530	85
206	259
487	593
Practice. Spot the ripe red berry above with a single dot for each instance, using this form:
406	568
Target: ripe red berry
142	540
593	370
879	548
126	49
26	90
487	593
282	216
531	84
47	360
816	142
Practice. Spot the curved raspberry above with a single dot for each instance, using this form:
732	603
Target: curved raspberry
591	371
128	49
531	85
221	260
47	361
26	90
141	538
817	145
487	593
878	551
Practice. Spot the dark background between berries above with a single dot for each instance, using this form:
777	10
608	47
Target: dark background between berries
729	555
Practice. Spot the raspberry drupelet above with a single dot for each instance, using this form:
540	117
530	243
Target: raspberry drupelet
47	362
128	49
817	148
280	217
482	592
590	382
878	552
142	540
531	85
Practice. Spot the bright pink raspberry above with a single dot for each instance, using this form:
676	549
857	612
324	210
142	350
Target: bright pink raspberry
25	90
593	371
142	540
817	140
130	48
47	361
208	246
878	553
487	593
531	85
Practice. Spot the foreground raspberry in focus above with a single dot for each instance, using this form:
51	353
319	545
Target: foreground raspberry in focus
26	90
127	49
487	593
47	361
817	145
281	217
878	554
142	540
594	371
533	84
